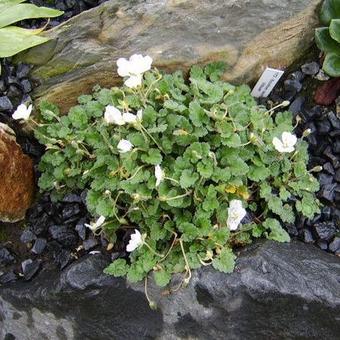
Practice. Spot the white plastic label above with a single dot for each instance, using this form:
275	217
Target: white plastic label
266	83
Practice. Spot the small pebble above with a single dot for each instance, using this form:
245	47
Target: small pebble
5	104
310	69
27	236
39	246
325	230
30	268
90	243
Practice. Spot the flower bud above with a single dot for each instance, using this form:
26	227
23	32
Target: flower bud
306	133
317	168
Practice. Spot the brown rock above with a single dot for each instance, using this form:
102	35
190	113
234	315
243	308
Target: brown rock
16	178
248	35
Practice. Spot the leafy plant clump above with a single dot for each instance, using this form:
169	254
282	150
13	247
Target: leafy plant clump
15	39
328	38
179	164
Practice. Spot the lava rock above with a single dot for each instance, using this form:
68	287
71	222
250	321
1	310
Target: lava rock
70	213
327	192
6	257
27	236
8	277
297	75
307	236
30	268
328	168
90	243
63	235
297	105
40	223
23	71
322	245
39	246
72	198
334	120
327	213
5	104
2	86
323	127
62	258
325	179
310	69
292	85
81	229
337	176
26	86
325	230
334	246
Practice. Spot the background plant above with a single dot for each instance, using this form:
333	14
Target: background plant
196	146
328	38
15	39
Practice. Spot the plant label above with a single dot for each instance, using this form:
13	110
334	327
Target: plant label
266	83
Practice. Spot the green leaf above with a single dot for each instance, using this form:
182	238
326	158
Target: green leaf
162	278
334	29
330	10
188	178
16	39
276	232
205	168
153	157
331	65
189	230
117	268
26	11
78	117
225	262
325	42
258	173
197	114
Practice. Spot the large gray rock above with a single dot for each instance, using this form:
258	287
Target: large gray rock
248	35
278	291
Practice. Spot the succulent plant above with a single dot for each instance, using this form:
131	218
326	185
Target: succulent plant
328	38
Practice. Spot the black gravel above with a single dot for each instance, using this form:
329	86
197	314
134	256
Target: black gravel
324	148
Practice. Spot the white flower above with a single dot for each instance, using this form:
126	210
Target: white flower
286	143
236	214
22	112
133	81
130	118
135	241
159	174
113	116
124	146
96	225
134	69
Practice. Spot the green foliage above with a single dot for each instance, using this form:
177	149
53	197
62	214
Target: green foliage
15	39
214	145
328	38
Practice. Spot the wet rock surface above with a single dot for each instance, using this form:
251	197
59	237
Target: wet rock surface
247	35
290	290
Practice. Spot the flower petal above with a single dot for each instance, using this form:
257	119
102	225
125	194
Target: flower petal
123	67
113	116
129	117
133	81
